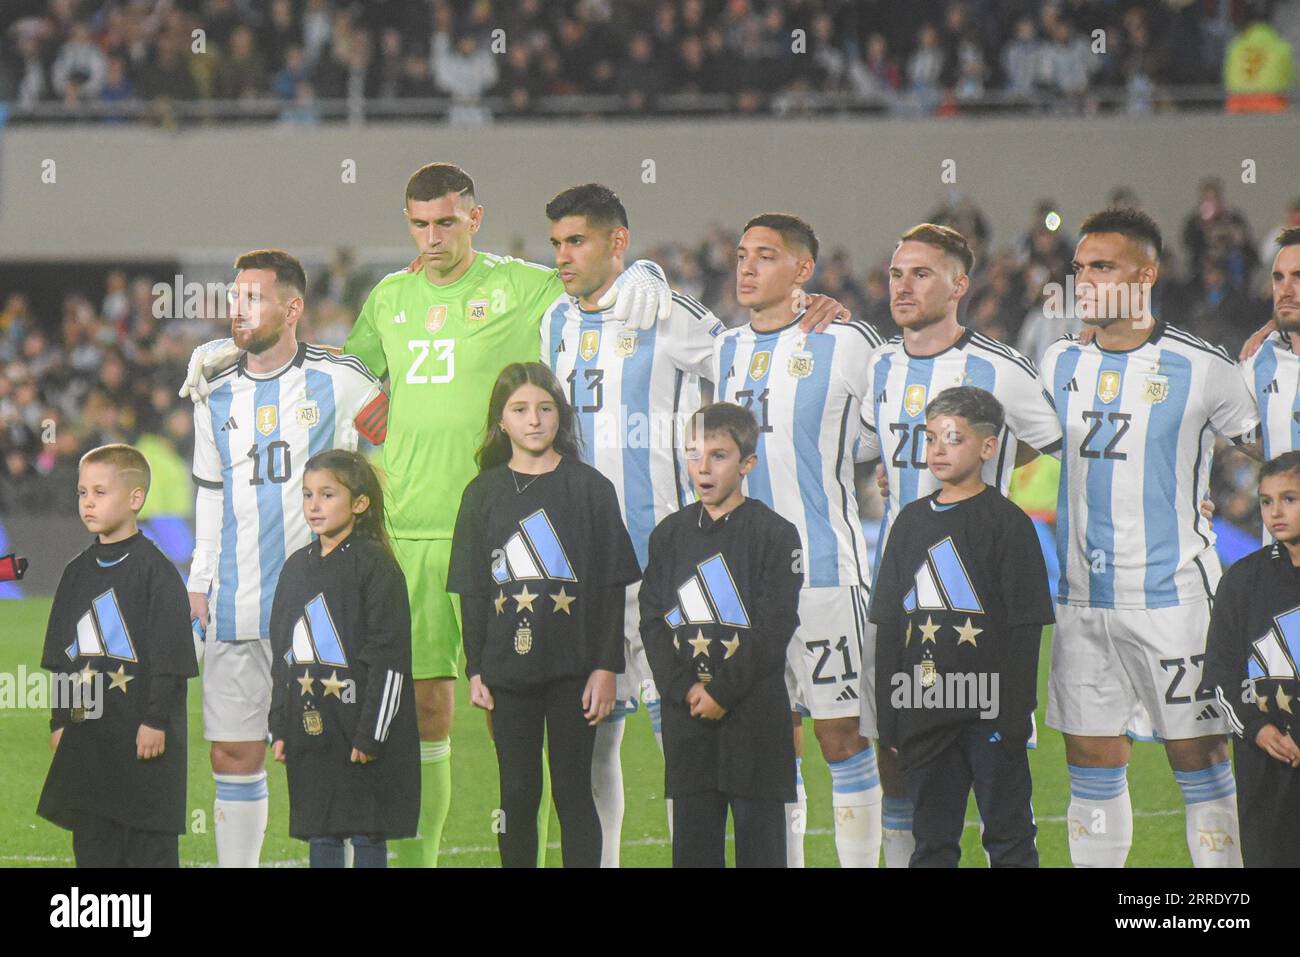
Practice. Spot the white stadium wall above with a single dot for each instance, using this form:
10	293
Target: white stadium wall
123	193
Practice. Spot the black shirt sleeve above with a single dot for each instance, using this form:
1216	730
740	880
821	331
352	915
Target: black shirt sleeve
608	622
470	559
615	560
475	613
385	649
1227	651
886	590
172	650
670	674
1024	573
889	646
762	652
60	632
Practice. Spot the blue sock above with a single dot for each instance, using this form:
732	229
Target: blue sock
898	814
1097	784
1208	784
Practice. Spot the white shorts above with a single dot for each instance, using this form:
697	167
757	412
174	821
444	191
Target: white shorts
824	671
1131	671
636	683
236	690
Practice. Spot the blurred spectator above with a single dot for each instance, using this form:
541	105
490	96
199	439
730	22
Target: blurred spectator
467	73
81	64
241	73
1021	58
1213	231
876	76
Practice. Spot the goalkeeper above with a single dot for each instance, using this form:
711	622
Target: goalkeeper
442	334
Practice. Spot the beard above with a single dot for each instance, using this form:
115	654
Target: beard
257	340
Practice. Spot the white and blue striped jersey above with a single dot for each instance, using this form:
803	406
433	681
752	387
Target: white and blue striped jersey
1135	466
900	386
632	394
807	394
252	438
1273	376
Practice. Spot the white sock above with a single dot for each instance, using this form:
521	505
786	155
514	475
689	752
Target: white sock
1100	818
607	785
898	840
239	818
657	726
796	820
1210	796
855	798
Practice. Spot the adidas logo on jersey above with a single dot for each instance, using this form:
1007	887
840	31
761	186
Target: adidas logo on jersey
400	318
1208	714
941	583
709	597
1272	387
1071	386
848	694
532	552
102	631
230	425
1274	654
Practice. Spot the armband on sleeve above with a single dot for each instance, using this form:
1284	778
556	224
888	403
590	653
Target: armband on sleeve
372	420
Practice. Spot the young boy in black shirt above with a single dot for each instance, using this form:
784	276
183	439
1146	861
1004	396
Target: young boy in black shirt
961	601
1251	659
120	624
719	603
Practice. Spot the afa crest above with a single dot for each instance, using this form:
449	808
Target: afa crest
625	345
914	399
268	419
1156	389
308	414
800	365
589	344
1108	385
758	365
477	310
435	318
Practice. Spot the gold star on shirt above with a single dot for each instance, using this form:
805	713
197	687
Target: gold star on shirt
1284	700
307	683
1262	701
563	600
929	630
967	633
332	685
119	678
500	602
731	645
87	674
700	644
524	600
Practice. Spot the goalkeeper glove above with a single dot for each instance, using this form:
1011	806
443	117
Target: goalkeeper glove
640	295
207	360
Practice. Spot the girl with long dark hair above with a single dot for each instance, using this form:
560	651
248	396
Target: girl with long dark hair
540	558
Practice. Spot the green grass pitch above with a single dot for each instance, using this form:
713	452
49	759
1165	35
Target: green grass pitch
468	841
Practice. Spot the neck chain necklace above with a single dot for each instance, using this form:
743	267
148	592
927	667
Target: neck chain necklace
515	475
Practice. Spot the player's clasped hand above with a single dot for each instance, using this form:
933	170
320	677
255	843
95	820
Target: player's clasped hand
598	696
702	704
55	738
277	751
480	696
1278	745
149	743
360	757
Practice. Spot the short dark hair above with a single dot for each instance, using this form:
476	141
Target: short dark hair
953	243
1130	223
435	180
1281	465
793	230
124	458
1288	237
288	270
736	421
977	406
599	204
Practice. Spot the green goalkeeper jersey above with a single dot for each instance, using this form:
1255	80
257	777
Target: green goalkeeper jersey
442	348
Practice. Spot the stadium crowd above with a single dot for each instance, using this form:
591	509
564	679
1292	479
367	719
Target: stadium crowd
493	57
106	370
